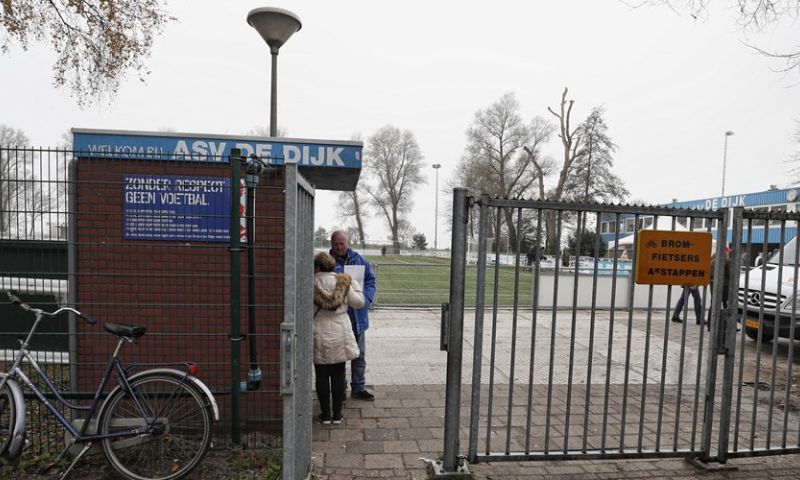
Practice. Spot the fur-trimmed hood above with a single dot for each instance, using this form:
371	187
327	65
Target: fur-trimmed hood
328	298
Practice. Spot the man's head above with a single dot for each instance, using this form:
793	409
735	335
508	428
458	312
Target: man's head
339	243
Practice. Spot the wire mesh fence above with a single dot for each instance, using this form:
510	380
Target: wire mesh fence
142	242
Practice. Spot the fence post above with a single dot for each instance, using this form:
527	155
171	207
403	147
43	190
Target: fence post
729	335
458	259
236	334
714	335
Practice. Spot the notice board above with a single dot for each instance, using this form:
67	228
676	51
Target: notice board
666	257
171	207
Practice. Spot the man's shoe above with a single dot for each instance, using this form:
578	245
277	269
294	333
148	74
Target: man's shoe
677	319
337	420
363	395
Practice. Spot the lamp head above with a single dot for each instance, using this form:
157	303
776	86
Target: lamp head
437	166
275	25
728	133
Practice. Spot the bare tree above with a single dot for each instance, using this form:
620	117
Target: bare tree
751	15
353	207
592	178
29	186
500	150
794	160
15	169
97	42
353	204
570	142
262	131
394	168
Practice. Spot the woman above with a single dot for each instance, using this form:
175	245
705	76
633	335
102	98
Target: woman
334	342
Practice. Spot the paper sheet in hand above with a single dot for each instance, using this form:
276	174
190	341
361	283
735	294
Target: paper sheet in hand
356	272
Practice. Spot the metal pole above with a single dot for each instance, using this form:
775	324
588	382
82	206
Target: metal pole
725	160
236	335
452	401
714	336
436	166
436	214
480	296
729	334
724	164
273	103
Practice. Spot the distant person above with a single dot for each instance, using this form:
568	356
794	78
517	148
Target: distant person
530	257
759	259
383	251
745	258
334	342
565	258
694	291
359	317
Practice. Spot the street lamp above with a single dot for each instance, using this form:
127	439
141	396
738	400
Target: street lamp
436	166
275	25
725	160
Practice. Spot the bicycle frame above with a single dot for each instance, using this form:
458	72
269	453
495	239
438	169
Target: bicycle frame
79	436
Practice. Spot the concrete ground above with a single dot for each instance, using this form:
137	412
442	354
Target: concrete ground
388	438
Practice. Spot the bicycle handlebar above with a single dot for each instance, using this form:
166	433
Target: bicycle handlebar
15	300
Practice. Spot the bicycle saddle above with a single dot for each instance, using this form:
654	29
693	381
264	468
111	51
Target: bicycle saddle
131	331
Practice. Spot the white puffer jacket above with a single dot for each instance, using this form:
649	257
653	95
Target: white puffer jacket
334	341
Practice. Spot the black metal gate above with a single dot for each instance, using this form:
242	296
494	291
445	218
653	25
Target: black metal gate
588	364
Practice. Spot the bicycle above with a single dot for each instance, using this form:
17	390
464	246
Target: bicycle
155	424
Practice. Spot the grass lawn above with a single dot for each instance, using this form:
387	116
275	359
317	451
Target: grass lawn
409	281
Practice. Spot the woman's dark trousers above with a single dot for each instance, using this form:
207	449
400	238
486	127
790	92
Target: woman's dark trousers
331	382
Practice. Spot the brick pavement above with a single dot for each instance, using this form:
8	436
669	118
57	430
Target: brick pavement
386	438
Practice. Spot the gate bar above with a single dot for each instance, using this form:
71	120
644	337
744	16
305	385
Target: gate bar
480	284
452	397
716	303
730	335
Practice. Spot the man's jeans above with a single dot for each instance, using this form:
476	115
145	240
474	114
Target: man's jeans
694	292
358	366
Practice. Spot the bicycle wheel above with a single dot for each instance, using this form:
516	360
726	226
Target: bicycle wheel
177	417
8	418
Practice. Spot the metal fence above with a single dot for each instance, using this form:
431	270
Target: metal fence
144	241
566	381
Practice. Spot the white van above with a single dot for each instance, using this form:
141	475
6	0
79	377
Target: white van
760	305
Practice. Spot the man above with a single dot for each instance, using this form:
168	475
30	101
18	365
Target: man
359	318
698	308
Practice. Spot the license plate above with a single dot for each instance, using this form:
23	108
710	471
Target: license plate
751	323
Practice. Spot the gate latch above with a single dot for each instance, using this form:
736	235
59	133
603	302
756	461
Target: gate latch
287	355
444	334
723	327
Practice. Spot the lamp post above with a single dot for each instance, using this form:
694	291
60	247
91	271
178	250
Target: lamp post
725	160
436	166
275	25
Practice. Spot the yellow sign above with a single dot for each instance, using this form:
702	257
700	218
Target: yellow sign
665	257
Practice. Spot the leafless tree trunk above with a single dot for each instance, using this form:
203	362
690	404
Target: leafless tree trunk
500	149
394	168
352	207
570	140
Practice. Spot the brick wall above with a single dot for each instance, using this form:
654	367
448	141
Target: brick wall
179	290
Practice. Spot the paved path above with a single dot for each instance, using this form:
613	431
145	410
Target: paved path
386	438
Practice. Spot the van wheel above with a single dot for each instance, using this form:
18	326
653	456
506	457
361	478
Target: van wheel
753	334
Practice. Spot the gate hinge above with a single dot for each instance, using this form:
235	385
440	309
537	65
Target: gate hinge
435	468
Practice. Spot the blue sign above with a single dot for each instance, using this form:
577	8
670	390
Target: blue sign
159	207
154	146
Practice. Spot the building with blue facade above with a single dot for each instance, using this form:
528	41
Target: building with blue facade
772	200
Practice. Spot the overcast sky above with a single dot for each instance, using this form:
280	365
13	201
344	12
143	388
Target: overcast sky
671	86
